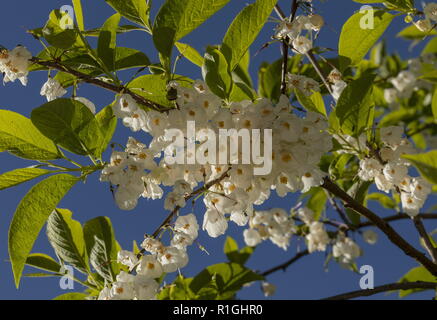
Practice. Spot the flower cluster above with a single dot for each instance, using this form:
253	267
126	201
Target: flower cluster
273	224
14	64
140	282
388	169
293	31
297	146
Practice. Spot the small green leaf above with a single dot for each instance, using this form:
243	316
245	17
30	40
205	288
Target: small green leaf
136	11
70	124
78	12
434	104
72	296
102	247
127	58
21	138
308	103
176	19
416	274
229	278
244	30
66	237
383	199
355	108
412	33
107	123
190	53
317	201
31	215
355	41
216	73
108	41
56	34
18	176
43	262
426	163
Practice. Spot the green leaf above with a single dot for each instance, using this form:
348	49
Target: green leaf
127	58
136	11
18	176
412	33
355	41
107	123
43	262
383	199
216	73
244	30
355	108
190	53
358	191
317	201
66	237
434	104
308	103
102	247
20	137
176	19
416	274
56	35
108	41
78	12
70	124
154	87
426	163
72	296
234	254
30	216
229	278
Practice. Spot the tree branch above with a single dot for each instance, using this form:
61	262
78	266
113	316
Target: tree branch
426	239
393	236
384	288
400	216
286	264
100	83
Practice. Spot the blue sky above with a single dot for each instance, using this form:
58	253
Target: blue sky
307	279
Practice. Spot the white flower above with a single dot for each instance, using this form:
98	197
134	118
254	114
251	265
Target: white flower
87	103
395	172
145	288
251	237
268	289
369	169
338	88
152	245
317	239
370	236
316	22
149	267
123	288
306	215
410	204
172	259
404	81
346	250
392	135
124	106
424	25
127	258
188	225
312	178
52	89
302	44
214	223
430	11
420	189
174	200
136	120
390	95
14	64
383	184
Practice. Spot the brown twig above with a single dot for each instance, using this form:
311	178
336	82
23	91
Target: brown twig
400	216
99	83
286	264
393	236
432	251
384	288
